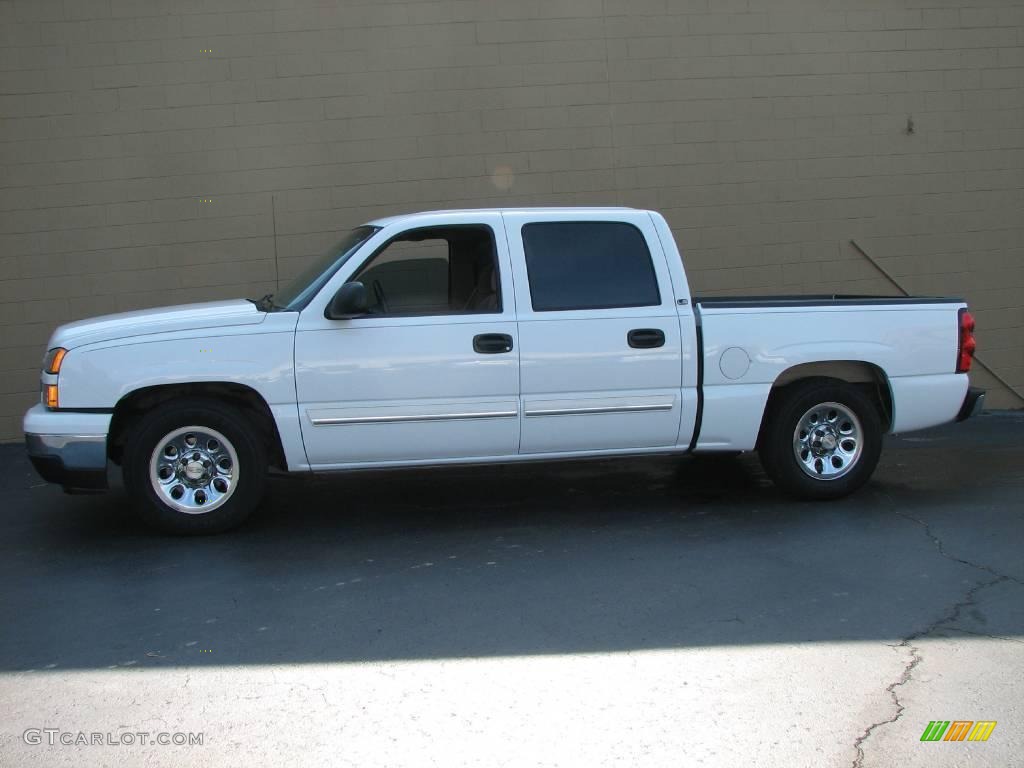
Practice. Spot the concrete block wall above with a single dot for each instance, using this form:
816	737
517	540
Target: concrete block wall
164	151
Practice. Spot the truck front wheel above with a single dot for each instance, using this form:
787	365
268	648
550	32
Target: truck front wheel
194	467
821	439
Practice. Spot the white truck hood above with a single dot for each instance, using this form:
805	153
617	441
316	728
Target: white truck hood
183	317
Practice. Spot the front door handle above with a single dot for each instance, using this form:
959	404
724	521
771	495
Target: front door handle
492	343
646	338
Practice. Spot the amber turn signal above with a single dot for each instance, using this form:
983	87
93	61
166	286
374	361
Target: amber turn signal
50	394
53	360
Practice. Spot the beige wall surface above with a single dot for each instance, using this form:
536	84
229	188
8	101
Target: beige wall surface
164	151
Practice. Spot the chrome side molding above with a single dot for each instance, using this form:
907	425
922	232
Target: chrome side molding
327	421
592	409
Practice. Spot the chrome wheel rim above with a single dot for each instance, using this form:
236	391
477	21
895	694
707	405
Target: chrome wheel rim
194	469
827	441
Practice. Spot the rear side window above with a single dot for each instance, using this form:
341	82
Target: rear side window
588	265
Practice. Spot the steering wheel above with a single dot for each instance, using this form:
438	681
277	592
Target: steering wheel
378	292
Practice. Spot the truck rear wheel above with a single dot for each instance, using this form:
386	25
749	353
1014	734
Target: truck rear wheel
194	467
822	439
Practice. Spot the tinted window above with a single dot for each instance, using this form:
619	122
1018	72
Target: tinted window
411	277
588	265
434	271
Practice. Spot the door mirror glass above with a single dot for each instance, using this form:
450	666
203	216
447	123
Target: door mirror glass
348	302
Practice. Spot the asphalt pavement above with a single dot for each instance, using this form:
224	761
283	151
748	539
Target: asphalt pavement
635	612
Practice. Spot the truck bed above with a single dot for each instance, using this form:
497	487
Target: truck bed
816	300
747	342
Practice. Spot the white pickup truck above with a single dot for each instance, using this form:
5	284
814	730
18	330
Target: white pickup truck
488	336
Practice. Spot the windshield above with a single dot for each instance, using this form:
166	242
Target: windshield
297	294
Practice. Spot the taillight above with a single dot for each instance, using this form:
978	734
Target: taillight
967	344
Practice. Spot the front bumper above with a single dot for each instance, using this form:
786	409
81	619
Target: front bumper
68	448
974	401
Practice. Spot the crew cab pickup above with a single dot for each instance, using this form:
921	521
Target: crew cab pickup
488	336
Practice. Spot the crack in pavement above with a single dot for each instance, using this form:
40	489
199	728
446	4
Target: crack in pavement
984	634
942	549
951	617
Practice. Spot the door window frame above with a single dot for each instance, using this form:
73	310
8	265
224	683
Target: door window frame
451	313
585	308
312	316
642	220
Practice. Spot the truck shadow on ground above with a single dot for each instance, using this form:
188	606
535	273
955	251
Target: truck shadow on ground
596	556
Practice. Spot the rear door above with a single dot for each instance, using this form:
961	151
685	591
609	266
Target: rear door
599	339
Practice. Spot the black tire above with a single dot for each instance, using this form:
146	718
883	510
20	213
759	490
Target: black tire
780	459
163	420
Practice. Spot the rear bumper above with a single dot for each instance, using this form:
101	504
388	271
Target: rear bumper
68	448
974	401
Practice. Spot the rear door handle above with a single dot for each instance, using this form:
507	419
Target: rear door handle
492	343
646	338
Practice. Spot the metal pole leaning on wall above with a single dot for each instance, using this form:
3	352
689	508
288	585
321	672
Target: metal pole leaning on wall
273	219
904	291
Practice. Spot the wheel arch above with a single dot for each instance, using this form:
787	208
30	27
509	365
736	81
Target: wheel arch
135	403
869	376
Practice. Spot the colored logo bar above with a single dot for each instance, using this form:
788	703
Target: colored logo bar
958	730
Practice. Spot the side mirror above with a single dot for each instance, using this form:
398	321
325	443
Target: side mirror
348	302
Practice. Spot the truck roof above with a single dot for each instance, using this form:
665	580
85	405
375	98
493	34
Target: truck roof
529	209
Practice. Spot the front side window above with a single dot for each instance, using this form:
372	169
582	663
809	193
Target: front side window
434	271
588	265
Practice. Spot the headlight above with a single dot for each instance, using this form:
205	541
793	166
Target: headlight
53	360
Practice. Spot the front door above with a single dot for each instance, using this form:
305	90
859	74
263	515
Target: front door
432	372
